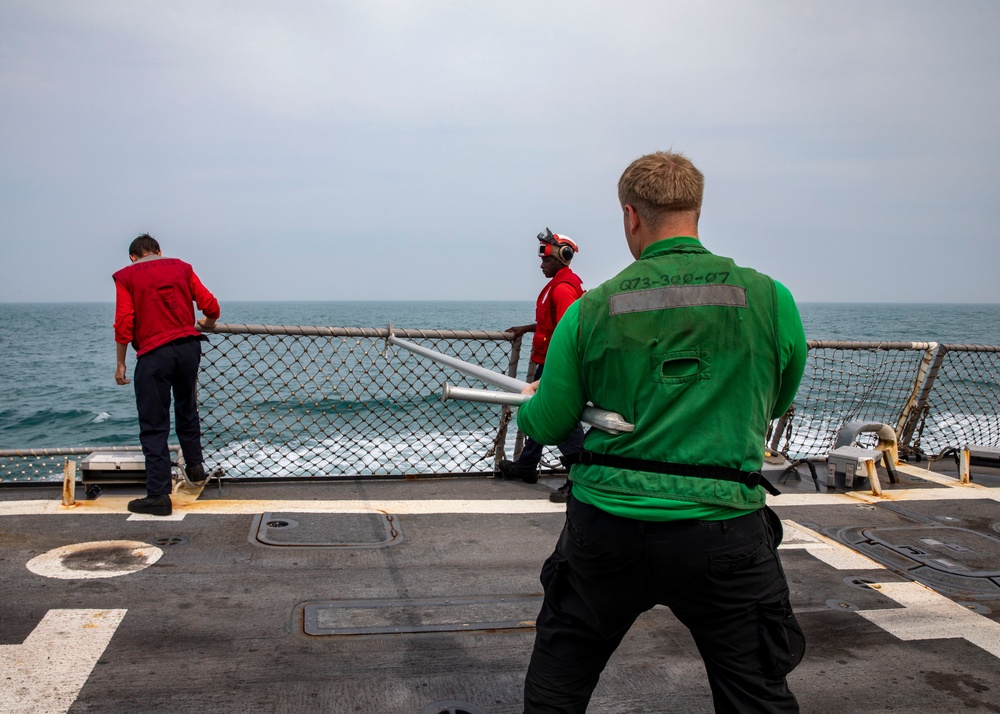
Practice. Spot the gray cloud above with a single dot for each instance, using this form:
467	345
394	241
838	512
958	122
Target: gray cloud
367	150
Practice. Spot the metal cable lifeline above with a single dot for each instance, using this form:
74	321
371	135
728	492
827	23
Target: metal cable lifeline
298	402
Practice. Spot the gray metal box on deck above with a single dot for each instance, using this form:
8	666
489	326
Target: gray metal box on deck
113	467
983	455
846	466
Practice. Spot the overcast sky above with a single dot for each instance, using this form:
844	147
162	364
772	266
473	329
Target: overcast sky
411	150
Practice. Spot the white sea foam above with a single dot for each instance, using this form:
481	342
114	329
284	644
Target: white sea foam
453	452
101	417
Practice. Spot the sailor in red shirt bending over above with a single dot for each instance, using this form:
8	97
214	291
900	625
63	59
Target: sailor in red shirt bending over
562	290
154	311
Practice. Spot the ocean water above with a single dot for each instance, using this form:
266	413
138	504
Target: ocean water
57	361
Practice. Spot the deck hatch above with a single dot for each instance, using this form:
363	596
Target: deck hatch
957	561
326	530
420	615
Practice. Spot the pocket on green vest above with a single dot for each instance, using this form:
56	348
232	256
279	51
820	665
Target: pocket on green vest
681	366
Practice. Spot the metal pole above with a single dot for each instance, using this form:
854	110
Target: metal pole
69	484
599	418
482	395
506	383
926	375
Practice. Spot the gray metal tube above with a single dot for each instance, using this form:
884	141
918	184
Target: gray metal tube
601	419
485	396
473	370
611	422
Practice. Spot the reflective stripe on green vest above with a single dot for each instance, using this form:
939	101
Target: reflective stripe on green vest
682	344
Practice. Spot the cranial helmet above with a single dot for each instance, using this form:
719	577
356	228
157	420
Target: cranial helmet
562	247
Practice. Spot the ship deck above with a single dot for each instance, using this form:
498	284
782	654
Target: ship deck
419	596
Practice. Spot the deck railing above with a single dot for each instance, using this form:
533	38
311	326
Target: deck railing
287	401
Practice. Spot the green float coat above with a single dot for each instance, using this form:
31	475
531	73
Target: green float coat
697	352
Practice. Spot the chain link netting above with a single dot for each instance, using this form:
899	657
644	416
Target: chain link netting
301	402
848	381
282	401
937	398
958	405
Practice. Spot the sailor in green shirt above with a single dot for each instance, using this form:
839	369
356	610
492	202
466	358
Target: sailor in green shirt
700	354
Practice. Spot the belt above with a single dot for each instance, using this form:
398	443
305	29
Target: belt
722	473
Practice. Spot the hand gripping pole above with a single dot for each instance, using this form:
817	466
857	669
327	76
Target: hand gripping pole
599	418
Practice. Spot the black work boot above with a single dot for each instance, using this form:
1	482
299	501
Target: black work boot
195	474
510	471
153	505
561	494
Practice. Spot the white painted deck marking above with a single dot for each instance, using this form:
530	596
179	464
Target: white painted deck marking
57	563
927	615
47	671
184	506
186	501
942	479
834	554
924	615
175	516
117	505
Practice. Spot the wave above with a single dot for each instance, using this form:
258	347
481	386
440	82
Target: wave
65	427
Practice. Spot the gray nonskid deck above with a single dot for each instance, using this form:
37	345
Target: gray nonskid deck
219	623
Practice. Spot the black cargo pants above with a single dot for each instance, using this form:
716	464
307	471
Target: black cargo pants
172	368
722	579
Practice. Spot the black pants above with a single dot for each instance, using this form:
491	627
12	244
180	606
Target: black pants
722	579
170	368
531	452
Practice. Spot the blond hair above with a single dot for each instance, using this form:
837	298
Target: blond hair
659	183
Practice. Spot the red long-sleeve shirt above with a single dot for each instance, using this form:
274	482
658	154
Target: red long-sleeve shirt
153	304
558	294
